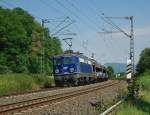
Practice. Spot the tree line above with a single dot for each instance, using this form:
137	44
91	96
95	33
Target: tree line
144	61
21	43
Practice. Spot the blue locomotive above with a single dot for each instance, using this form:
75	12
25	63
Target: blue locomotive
75	68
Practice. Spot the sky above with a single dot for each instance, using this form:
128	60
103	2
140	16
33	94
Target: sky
88	24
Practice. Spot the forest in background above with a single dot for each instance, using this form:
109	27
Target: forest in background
21	43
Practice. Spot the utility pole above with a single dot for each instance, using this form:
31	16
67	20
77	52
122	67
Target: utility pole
132	44
43	49
131	83
130	75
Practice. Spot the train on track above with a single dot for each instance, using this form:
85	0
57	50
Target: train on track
74	68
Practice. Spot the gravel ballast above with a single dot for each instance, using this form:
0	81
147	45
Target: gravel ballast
87	104
19	98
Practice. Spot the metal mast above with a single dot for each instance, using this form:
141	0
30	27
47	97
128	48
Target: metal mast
132	45
43	43
131	80
130	35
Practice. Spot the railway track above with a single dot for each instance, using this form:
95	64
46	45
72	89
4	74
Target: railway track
24	105
29	92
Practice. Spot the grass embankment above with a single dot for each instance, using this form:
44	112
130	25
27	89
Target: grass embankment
142	107
13	83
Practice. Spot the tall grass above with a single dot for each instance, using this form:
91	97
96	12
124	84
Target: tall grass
23	82
144	81
142	106
127	109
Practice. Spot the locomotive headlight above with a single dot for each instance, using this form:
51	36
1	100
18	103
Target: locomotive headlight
71	69
57	71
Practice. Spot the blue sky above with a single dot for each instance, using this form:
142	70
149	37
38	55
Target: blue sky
88	22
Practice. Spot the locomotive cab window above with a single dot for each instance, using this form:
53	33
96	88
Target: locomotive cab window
68	60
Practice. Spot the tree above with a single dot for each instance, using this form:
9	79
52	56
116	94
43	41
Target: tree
14	41
110	71
144	61
21	43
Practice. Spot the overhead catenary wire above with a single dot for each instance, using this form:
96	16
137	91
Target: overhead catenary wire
50	6
102	14
114	25
88	18
59	24
98	14
117	32
56	27
60	21
62	28
78	11
76	16
82	13
70	11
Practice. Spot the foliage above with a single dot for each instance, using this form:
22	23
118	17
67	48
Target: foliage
144	62
142	106
110	71
21	43
144	81
10	83
127	109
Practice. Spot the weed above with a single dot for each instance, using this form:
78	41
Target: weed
10	83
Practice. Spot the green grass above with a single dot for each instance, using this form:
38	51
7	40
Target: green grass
127	109
142	107
118	78
12	83
144	81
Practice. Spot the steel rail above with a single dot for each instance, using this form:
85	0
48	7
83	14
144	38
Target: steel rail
23	105
29	92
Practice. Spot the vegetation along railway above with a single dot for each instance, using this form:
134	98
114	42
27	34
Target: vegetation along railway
24	105
73	69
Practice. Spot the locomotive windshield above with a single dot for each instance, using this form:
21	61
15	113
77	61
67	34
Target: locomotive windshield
67	60
63	60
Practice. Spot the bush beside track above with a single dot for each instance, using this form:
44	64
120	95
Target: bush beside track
142	106
16	83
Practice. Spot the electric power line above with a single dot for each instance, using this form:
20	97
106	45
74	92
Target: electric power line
50	6
97	12
75	15
82	14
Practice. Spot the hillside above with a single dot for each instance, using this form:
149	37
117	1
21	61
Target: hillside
21	43
118	67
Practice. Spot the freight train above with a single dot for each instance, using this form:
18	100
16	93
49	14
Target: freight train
74	68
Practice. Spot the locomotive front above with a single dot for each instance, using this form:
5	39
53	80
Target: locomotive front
65	68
